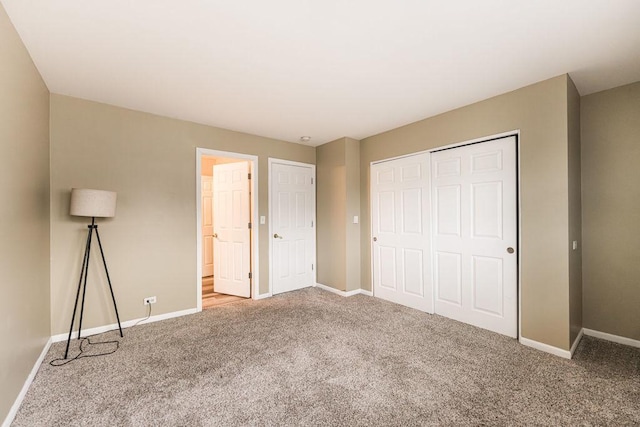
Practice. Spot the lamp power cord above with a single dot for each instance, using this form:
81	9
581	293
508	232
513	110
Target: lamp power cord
88	342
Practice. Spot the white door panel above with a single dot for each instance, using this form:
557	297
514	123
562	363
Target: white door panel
474	212
232	235
400	226
448	277
292	225
207	225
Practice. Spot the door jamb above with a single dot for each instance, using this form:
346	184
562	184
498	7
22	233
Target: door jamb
273	160
255	260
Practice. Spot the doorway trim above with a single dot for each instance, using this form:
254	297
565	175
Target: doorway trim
487	138
273	160
255	244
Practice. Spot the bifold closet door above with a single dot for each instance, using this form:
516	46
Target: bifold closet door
400	231
474	195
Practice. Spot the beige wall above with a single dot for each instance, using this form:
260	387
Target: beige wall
611	210
151	243
207	163
338	201
24	215
331	199
575	211
352	208
539	111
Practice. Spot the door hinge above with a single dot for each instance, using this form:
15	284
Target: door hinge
311	267
249	175
311	180
249	225
312	223
249	275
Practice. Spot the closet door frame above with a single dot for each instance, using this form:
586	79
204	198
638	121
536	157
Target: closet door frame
516	134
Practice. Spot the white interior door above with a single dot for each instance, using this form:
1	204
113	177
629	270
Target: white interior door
292	224
207	225
232	233
401	231
475	234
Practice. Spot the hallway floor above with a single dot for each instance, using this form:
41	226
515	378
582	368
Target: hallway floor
211	298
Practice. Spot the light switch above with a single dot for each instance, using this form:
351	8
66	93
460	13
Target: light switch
355	219
575	245
263	219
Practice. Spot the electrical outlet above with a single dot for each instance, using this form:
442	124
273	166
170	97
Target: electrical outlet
149	300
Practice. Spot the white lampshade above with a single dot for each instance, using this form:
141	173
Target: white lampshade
85	202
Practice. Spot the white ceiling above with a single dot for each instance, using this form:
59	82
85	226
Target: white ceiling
324	68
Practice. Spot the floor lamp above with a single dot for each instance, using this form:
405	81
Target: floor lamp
91	203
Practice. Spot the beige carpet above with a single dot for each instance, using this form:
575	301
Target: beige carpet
313	358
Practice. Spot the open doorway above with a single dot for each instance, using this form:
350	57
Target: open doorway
225	237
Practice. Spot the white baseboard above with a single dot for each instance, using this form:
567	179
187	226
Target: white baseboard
343	293
584	331
330	289
613	338
566	354
352	293
262	296
16	404
127	324
576	342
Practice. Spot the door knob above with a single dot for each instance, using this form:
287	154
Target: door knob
375	239
215	235
510	250
275	236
